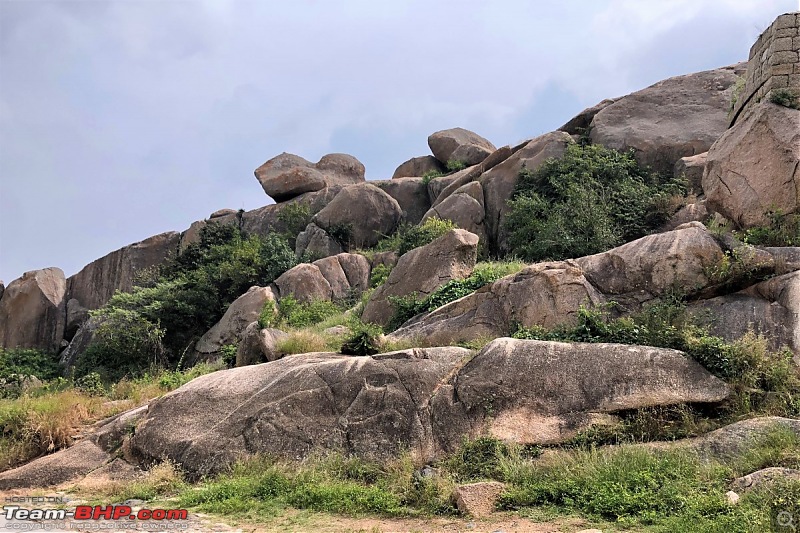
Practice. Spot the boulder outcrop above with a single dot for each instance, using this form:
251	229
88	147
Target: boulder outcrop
286	176
691	168
464	207
362	214
258	345
244	310
33	310
418	167
540	392
95	284
674	118
458	144
499	182
754	167
423	270
411	195
315	242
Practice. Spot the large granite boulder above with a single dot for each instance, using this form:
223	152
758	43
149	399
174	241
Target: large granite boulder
653	265
305	283
96	283
580	123
417	167
411	195
458	144
544	294
691	168
33	310
258	345
499	182
674	118
540	392
373	407
422	270
464	207
754	167
286	176
315	242
770	308
362	213
424	401
244	310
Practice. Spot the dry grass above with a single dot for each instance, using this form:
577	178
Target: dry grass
307	341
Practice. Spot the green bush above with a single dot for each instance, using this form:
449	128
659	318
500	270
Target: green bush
431	175
454	165
293	313
407	307
125	343
590	200
294	216
785	97
27	362
363	339
783	230
409	237
379	275
191	294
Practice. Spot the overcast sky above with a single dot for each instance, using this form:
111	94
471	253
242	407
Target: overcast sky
123	119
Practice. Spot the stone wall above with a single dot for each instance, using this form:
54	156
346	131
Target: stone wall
773	64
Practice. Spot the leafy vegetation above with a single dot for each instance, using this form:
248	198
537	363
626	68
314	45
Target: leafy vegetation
19	362
762	380
592	199
408	237
294	216
407	307
158	324
783	230
363	339
295	314
455	165
785	97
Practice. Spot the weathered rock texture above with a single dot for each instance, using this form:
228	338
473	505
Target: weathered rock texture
550	294
464	207
675	118
691	168
458	144
539	392
258	345
770	308
370	406
420	400
478	499
499	182
33	310
754	167
287	176
244	310
418	167
411	195
422	270
315	242
579	124
363	213
94	285
765	476
773	64
331	278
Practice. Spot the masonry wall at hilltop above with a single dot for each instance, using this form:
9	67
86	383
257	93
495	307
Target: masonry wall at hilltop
774	63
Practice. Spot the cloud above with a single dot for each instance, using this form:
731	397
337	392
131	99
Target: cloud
119	120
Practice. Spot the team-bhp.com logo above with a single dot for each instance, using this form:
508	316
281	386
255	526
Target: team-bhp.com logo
96	512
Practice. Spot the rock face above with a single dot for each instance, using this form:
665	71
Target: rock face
315	242
764	476
579	124
694	212
458	144
95	284
423	270
411	195
550	294
729	442
770	308
369	406
244	310
538	392
417	167
258	345
499	182
675	118
755	166
649	267
331	278
33	310
419	400
464	207
305	283
287	176
51	470
692	168
363	212
544	294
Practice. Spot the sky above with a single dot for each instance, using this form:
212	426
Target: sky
122	119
